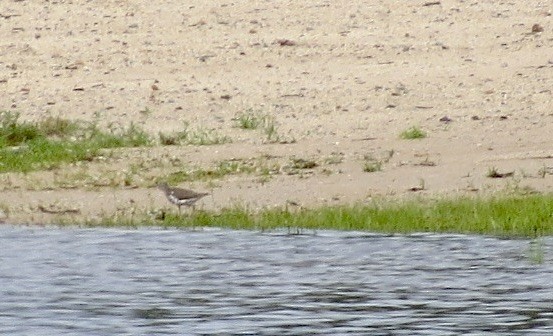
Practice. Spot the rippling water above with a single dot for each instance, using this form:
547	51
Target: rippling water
217	282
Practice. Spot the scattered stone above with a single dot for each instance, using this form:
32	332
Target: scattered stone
285	43
446	119
74	66
537	28
293	203
415	189
7	16
495	174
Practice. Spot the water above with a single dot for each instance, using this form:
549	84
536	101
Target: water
217	282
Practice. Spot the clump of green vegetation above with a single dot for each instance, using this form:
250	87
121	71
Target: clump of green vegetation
510	216
413	132
250	120
299	166
57	127
49	142
117	136
371	165
197	137
13	133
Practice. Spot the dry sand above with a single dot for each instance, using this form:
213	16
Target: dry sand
342	80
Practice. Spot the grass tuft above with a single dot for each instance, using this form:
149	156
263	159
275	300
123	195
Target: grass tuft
197	137
371	165
413	132
250	120
26	146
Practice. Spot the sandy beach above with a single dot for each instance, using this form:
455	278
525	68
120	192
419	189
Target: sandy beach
339	80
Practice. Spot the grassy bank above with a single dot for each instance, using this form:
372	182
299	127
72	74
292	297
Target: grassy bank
53	141
510	216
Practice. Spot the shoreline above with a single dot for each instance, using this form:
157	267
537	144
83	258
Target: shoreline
267	108
507	215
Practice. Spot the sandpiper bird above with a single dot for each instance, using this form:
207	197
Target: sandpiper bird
179	196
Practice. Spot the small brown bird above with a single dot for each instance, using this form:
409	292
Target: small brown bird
179	196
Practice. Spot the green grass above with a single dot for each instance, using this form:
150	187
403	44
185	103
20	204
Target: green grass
52	141
250	120
266	123
508	216
413	132
197	137
44	154
371	165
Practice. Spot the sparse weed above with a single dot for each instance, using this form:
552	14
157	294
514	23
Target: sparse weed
298	163
250	120
413	132
494	173
197	137
118	136
371	164
59	127
203	137
254	166
168	139
388	155
13	132
255	120
334	158
270	130
544	171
